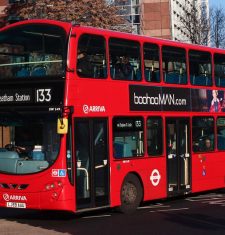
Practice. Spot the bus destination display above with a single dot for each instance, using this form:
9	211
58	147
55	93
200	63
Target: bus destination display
31	96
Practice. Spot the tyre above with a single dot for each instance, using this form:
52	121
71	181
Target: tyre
131	194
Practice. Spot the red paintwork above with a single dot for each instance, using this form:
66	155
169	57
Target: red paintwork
113	95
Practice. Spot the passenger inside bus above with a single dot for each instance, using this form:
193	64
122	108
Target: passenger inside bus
127	68
207	145
124	69
84	66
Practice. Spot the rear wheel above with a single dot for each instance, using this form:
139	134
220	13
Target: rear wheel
131	194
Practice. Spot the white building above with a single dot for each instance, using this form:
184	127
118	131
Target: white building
178	8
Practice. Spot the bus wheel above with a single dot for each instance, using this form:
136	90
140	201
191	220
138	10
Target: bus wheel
131	194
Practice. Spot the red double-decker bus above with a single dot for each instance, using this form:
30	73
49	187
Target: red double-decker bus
91	118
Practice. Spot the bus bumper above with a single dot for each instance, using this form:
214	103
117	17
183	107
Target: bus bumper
47	200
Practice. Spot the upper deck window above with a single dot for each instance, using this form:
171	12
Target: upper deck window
200	68
219	61
32	50
91	57
151	62
125	63
174	65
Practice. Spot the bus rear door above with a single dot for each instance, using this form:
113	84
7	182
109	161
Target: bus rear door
178	156
92	163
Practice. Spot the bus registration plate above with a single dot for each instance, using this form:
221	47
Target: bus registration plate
16	205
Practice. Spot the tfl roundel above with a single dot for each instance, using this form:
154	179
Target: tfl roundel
155	177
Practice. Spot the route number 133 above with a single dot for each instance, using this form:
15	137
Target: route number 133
43	95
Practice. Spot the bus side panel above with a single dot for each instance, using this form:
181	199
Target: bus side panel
155	178
152	173
208	171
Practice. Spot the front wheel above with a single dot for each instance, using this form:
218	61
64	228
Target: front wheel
131	194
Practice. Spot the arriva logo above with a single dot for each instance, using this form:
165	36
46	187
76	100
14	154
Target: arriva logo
93	109
8	197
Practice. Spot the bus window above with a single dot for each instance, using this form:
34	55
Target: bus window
151	62
203	134
219	61
174	65
32	51
91	57
124	59
200	68
220	133
29	143
128	137
154	136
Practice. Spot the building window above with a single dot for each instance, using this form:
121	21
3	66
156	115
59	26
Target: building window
130	11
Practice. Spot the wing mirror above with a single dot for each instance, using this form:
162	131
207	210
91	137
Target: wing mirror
62	126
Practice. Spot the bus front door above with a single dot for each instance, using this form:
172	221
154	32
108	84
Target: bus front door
92	163
178	156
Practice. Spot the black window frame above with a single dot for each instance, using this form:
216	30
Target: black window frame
116	58
151	154
202	79
220	73
176	76
152	74
199	142
120	125
96	73
217	135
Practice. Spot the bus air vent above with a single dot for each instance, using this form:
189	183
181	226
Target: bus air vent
14	186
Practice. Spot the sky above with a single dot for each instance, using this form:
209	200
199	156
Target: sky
217	3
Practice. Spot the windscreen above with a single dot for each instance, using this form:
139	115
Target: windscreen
28	143
32	50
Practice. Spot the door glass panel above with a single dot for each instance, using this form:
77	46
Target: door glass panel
184	154
100	159
172	156
82	140
92	178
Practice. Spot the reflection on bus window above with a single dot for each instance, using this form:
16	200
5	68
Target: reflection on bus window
91	57
219	61
221	133
200	68
128	137
124	59
28	144
174	65
151	62
203	134
154	136
32	51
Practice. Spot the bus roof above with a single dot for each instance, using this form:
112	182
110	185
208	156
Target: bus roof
144	38
65	25
110	33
